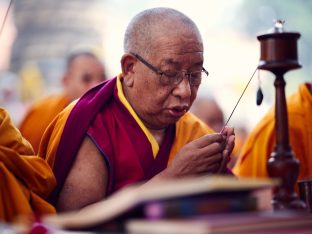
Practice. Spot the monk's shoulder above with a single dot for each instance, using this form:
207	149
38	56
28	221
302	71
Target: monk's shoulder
54	101
3	114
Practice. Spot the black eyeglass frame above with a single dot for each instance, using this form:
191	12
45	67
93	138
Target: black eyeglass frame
158	71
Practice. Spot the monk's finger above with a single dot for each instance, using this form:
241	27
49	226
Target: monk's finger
208	168
208	139
227	131
213	159
225	160
230	143
226	154
211	149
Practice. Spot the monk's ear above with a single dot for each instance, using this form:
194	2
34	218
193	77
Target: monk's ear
128	62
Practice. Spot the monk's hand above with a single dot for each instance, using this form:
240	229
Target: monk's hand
229	136
203	155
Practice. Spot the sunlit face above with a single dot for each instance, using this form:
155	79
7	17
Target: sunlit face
84	73
159	105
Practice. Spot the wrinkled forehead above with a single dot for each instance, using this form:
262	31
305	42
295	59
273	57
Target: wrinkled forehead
176	27
175	48
178	35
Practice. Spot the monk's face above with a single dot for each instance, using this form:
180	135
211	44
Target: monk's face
84	73
157	104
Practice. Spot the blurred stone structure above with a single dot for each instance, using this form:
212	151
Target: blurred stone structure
48	30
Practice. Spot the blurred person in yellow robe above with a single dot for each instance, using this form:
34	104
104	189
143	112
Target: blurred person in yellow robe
84	70
261	141
25	179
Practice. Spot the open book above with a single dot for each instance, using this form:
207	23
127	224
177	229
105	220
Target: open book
132	197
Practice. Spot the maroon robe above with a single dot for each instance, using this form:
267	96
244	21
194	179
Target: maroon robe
100	115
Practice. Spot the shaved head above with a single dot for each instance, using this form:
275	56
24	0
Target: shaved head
142	30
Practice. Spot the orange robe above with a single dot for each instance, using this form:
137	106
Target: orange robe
25	180
39	117
188	128
261	141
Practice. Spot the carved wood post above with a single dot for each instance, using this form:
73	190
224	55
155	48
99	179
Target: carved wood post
279	55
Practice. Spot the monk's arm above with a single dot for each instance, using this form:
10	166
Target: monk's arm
87	180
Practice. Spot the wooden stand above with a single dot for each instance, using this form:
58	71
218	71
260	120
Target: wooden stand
279	55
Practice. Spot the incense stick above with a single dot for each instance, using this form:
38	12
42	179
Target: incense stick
239	100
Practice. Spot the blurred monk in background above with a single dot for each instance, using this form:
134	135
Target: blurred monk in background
208	110
83	71
25	179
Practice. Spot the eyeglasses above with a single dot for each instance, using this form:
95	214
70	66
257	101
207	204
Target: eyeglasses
172	78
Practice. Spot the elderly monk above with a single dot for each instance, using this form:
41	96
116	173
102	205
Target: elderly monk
25	180
136	127
83	71
261	141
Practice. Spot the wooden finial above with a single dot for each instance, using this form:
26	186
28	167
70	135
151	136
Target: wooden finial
278	49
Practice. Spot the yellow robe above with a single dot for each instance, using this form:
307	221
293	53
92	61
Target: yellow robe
39	117
25	180
261	141
188	128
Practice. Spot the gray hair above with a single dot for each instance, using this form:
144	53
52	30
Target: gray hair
71	57
139	34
